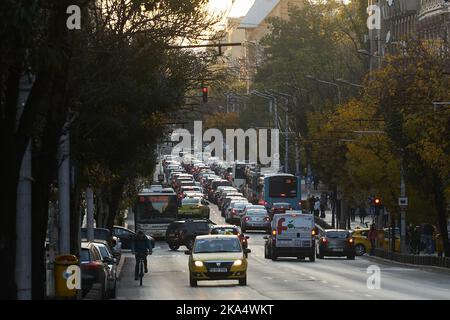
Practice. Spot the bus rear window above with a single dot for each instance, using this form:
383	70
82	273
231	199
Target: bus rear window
283	187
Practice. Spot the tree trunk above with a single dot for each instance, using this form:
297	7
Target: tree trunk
116	196
441	208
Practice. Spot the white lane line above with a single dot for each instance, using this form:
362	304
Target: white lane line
324	281
336	286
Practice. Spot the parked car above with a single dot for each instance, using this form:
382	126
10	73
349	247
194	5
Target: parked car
108	258
93	269
105	235
336	243
126	236
183	232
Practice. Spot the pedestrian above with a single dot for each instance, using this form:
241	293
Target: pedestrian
322	210
372	236
311	202
362	214
427	233
316	207
415	239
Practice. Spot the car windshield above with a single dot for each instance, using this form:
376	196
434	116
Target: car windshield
337	234
224	231
211	245
190	201
256	212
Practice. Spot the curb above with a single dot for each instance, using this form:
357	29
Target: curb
120	266
418	266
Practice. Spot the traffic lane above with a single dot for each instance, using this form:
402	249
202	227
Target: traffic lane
168	279
347	278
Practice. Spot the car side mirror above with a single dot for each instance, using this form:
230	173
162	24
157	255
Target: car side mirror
247	251
266	237
247	237
187	252
115	260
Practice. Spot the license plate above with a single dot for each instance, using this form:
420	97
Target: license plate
218	270
338	250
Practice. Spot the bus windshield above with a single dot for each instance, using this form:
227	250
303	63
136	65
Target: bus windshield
150	207
280	187
240	171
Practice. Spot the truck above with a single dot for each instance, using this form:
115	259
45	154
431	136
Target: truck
292	234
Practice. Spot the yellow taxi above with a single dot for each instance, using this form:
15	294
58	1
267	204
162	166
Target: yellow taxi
362	242
217	257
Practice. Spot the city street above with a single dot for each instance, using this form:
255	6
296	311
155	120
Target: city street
331	278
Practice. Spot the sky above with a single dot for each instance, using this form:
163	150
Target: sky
235	8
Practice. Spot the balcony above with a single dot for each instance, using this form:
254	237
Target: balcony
430	8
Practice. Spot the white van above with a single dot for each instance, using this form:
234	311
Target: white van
292	234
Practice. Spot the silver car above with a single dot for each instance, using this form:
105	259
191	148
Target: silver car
255	219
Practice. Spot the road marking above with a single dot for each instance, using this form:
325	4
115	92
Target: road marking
324	281
336	286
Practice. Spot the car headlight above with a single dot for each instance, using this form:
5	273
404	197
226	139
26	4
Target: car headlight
198	264
237	263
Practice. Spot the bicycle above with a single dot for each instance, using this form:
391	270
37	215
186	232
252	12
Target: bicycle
141	259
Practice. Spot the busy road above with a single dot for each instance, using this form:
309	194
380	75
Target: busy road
330	278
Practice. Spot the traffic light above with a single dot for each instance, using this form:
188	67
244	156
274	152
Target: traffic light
205	94
377	201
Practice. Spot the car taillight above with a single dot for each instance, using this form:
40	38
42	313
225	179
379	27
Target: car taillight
351	240
324	241
91	265
266	219
247	218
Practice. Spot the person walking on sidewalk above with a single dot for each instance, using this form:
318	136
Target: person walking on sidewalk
317	207
372	236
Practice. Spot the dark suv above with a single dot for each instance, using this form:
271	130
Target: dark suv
183	232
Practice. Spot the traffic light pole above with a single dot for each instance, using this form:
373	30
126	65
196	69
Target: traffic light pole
402	214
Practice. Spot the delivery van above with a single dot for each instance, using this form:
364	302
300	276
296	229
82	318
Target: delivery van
293	234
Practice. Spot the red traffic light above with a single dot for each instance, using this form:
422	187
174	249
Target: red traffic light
205	94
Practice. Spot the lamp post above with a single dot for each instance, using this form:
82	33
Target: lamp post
340	80
310	77
272	104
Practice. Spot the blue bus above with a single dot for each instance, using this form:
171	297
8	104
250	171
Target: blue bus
281	187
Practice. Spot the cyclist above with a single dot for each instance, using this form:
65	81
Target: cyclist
140	248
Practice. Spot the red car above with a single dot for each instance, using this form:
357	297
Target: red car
279	207
230	229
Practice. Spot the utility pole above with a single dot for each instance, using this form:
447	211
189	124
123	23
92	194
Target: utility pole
90	214
64	192
402	204
297	159
286	139
23	218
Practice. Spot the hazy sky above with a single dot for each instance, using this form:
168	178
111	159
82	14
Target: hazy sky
236	8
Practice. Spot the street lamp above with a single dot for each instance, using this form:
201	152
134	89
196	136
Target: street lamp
310	77
272	103
349	83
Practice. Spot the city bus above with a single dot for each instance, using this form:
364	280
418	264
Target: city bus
156	207
280	187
